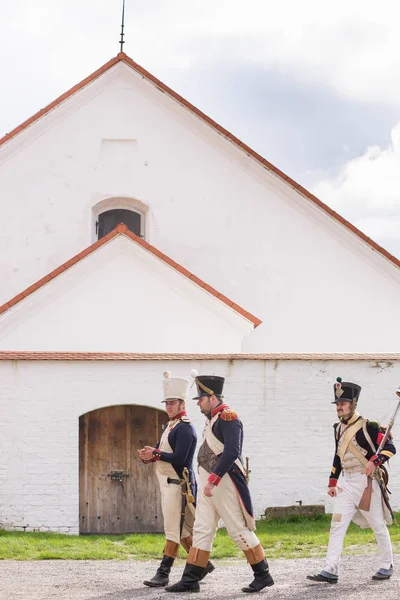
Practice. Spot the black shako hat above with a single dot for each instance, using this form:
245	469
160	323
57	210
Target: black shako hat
345	391
209	385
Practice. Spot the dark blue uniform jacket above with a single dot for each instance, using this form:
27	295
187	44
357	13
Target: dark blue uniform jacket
230	433
182	439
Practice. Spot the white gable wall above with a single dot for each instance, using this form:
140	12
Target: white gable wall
211	208
285	406
121	298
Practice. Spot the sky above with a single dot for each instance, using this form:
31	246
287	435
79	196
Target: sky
313	87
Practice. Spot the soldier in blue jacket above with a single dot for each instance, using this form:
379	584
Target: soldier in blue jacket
223	491
173	458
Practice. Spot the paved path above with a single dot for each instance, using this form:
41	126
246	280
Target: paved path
122	580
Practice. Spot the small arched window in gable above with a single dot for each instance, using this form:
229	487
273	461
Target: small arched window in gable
108	220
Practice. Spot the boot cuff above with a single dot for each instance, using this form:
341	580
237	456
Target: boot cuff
171	549
255	555
197	557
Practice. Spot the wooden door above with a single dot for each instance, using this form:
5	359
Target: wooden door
117	492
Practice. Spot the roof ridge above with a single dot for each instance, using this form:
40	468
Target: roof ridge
122	229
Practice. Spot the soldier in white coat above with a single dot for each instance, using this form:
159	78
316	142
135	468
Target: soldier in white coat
173	458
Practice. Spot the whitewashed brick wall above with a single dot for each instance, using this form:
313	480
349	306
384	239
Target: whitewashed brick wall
284	405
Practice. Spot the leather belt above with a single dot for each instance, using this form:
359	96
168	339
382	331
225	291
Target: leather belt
175	481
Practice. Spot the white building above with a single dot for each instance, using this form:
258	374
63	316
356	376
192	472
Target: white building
224	264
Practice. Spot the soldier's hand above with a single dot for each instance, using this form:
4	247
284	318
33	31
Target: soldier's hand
369	468
146	453
208	490
332	491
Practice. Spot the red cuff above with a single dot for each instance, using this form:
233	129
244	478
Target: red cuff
156	454
376	460
213	478
332	483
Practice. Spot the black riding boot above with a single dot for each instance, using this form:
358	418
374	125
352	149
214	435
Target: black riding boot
190	580
262	577
161	578
209	568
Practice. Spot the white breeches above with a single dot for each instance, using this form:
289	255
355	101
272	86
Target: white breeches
224	504
171	505
350	489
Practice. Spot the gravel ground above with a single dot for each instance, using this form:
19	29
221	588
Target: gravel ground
122	580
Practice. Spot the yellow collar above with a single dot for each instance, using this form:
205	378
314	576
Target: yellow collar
352	420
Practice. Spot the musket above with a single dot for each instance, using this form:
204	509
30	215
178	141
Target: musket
391	423
378	472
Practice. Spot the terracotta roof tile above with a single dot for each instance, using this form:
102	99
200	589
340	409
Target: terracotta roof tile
184	271
123	230
157	253
197	280
70	262
225	299
44	280
86	252
122	57
30	289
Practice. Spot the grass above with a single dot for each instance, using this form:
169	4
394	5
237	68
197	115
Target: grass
293	538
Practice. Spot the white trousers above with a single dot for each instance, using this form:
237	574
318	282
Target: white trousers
171	505
349	492
224	504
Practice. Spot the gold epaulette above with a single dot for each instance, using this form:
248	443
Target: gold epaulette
229	415
185	419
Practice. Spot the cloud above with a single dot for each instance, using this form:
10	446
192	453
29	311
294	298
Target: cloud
48	46
354	48
367	192
301	129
